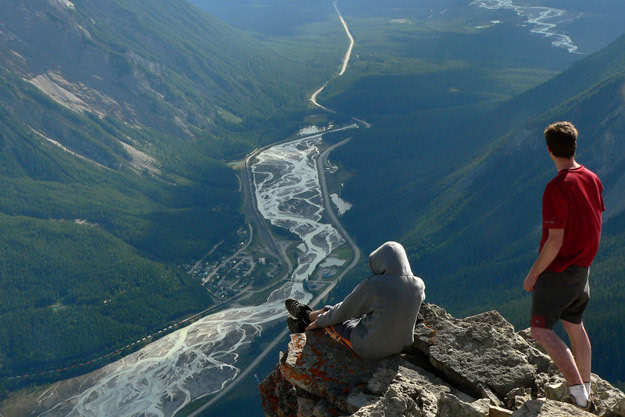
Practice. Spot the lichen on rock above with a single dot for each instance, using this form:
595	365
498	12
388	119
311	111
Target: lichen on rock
472	367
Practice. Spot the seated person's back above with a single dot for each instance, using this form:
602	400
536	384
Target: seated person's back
380	314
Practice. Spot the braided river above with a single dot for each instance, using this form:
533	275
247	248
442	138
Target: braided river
541	20
201	359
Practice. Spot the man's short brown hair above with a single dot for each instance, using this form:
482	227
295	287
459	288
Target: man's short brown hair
561	139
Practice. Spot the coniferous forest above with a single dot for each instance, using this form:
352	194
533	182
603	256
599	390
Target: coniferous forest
120	122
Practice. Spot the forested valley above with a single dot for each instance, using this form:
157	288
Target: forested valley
117	120
455	164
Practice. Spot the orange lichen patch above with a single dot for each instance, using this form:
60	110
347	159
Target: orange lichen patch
295	377
321	360
320	357
299	339
322	376
432	336
319	374
317	370
300	360
268	394
296	347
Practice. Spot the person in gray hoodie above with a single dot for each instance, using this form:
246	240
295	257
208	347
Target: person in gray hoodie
378	317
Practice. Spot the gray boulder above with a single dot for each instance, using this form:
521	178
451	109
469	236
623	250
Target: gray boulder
473	367
549	408
477	352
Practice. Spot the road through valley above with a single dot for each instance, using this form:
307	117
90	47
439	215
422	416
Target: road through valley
203	358
346	58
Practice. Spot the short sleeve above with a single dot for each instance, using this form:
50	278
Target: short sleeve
555	208
600	186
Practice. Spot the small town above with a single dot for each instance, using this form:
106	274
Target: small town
229	271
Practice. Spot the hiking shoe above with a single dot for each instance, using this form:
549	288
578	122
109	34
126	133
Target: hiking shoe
297	309
296	325
590	404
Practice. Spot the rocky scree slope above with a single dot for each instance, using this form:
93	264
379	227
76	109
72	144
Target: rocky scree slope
165	65
473	367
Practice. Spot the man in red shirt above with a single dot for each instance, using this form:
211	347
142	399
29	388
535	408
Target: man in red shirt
572	207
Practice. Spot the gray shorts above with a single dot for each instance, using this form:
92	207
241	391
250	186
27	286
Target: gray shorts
560	295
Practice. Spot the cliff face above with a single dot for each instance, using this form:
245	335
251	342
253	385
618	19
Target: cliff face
473	367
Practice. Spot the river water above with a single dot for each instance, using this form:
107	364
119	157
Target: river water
200	359
541	20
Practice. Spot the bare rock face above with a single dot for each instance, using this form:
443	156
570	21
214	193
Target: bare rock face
548	408
611	399
279	397
478	353
472	367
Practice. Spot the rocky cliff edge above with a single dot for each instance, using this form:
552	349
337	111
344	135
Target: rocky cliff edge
473	367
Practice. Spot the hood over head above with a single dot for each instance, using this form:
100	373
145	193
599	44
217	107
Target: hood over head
390	259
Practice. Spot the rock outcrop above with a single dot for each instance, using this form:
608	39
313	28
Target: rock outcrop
473	367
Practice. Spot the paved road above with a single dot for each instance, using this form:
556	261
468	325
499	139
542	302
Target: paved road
321	164
348	54
252	211
346	59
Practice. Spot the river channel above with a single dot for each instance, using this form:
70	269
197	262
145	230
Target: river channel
200	359
540	19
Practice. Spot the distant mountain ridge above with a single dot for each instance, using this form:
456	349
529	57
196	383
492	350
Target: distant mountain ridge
598	67
115	58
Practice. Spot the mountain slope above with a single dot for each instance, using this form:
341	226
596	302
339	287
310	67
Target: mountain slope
462	190
582	75
417	153
115	120
168	66
477	238
88	241
486	235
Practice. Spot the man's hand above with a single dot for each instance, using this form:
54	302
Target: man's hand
550	250
530	282
312	325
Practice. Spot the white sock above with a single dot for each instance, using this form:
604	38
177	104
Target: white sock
580	394
587	386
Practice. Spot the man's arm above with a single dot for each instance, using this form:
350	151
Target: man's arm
356	304
545	257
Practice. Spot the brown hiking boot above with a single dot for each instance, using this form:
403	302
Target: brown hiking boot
296	325
298	310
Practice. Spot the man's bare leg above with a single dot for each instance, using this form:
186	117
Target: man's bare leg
580	345
559	353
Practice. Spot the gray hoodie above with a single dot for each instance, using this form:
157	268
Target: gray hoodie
386	305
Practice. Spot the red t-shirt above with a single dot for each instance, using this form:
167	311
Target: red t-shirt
572	201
